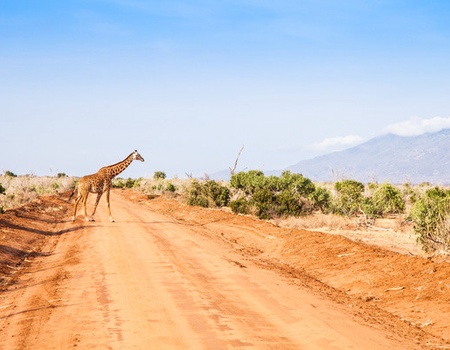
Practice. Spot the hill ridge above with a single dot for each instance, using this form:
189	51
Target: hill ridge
392	158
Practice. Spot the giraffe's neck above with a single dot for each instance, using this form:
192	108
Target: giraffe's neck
116	169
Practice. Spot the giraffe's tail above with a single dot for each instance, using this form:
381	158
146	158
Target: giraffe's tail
73	192
76	188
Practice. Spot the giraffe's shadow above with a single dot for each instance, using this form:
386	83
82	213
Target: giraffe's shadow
41	232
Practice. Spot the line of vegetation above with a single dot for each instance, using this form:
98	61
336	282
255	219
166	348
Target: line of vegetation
272	197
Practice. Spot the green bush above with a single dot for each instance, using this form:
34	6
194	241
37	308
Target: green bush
388	200
128	183
171	187
321	199
264	201
240	206
218	193
350	200
248	181
368	209
297	183
431	217
288	203
10	173
159	175
287	195
208	194
349	197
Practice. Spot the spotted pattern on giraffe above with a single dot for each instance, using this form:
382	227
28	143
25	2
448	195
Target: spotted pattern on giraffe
100	183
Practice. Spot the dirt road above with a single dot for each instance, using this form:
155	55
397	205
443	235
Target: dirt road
153	281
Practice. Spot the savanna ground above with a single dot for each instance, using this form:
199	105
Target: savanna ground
171	276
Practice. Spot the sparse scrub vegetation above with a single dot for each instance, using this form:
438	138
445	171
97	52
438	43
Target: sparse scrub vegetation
160	185
431	218
279	198
128	183
18	190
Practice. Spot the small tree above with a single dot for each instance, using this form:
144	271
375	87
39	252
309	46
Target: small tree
388	200
431	218
350	197
10	173
159	175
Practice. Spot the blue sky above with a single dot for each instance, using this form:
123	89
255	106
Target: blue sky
187	83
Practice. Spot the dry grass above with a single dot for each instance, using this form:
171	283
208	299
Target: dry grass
317	221
392	233
23	189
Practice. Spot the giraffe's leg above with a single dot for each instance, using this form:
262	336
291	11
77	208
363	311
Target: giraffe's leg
109	206
85	197
99	195
77	200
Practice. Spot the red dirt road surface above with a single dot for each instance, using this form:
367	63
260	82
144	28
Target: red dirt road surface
169	276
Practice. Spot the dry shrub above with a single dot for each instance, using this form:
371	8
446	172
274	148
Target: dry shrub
23	189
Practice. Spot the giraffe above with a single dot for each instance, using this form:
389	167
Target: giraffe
100	182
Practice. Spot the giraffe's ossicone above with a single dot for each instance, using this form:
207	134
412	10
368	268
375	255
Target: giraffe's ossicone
100	182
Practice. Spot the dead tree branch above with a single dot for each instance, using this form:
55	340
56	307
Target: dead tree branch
232	170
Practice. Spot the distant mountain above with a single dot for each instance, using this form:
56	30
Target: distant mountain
396	159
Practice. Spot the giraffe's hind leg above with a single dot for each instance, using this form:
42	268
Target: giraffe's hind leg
85	197
75	205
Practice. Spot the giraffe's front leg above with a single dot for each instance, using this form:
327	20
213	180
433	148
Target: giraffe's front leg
99	195
109	206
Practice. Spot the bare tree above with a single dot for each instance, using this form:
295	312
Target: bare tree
232	170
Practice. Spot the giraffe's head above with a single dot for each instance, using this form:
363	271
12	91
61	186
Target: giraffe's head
137	156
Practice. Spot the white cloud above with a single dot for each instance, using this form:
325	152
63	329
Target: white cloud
418	126
337	143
